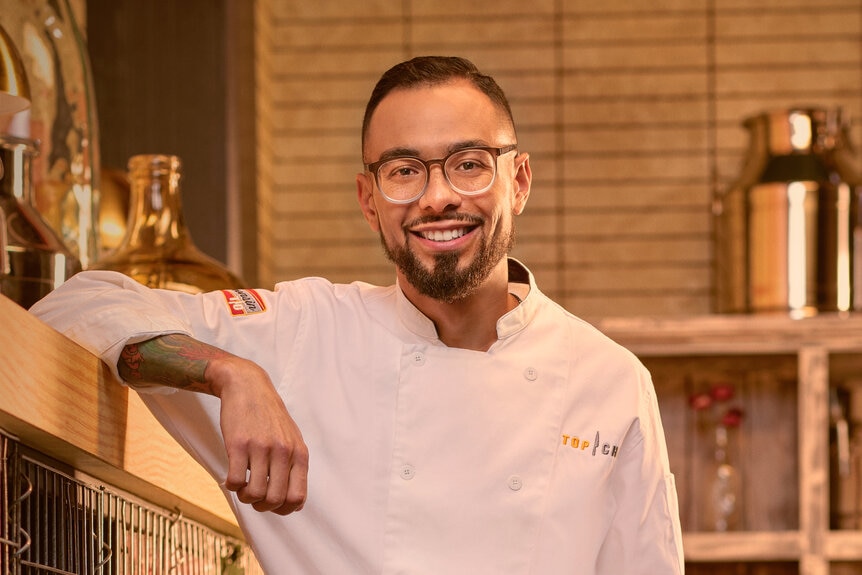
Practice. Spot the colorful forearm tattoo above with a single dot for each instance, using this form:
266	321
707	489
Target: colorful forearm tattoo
174	360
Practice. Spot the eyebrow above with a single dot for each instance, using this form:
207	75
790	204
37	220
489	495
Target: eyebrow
414	153
398	153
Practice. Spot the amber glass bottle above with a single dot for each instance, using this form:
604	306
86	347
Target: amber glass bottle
157	249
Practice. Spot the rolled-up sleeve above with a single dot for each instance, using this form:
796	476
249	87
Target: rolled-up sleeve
104	311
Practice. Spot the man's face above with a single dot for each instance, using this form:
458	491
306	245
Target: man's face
444	244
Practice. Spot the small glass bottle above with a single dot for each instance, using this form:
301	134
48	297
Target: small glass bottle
157	249
724	492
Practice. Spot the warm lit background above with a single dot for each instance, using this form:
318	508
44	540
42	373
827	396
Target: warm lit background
631	111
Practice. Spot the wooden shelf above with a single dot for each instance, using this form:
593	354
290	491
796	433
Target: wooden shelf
843	545
806	358
61	400
734	334
744	546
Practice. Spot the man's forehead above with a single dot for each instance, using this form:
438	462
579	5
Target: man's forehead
439	115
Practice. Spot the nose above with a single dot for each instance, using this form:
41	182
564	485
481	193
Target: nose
439	195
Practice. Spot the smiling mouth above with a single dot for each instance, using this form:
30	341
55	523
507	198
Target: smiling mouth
443	235
443	228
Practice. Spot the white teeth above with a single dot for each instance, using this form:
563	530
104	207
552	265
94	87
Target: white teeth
443	235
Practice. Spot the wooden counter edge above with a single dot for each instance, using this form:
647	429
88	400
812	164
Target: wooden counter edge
59	399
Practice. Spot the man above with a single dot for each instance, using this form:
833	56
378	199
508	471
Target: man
457	422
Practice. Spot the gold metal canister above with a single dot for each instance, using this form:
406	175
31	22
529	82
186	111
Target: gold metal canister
787	231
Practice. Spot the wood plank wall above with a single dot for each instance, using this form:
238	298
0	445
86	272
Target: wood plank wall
631	111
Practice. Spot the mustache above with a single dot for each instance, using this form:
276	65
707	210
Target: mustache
445	216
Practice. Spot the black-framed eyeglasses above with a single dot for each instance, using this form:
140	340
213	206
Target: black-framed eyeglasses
469	171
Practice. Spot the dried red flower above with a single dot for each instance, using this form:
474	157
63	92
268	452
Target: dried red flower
700	401
722	391
733	417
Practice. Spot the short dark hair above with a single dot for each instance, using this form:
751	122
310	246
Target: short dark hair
431	71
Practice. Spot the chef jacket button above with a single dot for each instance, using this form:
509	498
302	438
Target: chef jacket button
531	374
408	472
418	358
515	483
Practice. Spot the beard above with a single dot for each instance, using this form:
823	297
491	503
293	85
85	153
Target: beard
445	281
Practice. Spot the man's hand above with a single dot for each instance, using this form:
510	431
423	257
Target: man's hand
268	460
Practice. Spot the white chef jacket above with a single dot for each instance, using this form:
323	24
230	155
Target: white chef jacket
544	455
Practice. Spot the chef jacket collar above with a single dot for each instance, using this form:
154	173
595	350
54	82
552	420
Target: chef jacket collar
521	283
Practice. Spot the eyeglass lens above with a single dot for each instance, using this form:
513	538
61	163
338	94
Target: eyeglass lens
468	172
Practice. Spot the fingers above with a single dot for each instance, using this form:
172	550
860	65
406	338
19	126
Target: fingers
297	488
267	457
275	480
238	466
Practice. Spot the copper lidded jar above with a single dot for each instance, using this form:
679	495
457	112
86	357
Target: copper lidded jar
157	249
787	230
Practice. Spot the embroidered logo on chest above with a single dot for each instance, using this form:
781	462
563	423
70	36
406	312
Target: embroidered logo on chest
593	447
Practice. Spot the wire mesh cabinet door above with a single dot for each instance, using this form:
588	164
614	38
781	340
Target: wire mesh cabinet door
62	518
52	523
10	509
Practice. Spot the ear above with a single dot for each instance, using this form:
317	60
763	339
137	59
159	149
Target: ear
365	196
521	183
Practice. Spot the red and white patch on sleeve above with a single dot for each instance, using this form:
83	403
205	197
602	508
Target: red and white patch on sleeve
243	301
